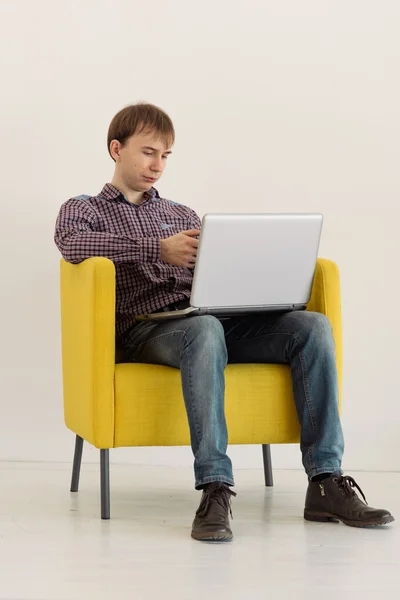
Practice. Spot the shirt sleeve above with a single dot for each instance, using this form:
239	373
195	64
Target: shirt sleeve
77	239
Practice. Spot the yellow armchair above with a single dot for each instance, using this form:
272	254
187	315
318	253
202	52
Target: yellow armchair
112	405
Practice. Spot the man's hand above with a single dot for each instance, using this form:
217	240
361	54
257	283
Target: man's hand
181	249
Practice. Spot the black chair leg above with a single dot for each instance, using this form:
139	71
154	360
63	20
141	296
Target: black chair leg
76	469
266	450
105	483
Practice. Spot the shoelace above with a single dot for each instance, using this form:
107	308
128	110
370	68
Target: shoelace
347	484
219	492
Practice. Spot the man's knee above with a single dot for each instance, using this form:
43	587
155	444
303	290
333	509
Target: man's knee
311	324
207	326
208	330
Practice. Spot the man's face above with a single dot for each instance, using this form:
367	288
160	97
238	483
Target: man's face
141	161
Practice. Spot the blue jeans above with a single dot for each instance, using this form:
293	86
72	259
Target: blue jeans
202	346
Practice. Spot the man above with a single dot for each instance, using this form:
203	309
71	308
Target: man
153	244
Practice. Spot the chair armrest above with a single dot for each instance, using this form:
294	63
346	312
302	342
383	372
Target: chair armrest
88	348
325	299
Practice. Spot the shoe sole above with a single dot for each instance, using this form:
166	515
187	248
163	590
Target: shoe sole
322	517
212	537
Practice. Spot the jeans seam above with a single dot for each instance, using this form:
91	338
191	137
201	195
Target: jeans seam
308	403
318	471
212	478
192	404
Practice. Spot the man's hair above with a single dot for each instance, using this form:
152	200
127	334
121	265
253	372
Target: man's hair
138	118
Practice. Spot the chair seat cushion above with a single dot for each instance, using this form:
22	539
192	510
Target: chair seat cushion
150	411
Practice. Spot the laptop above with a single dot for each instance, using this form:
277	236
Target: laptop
252	264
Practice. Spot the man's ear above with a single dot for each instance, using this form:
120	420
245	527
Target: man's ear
115	150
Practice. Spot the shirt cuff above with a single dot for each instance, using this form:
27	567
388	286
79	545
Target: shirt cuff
150	250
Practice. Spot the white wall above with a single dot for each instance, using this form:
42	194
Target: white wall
278	106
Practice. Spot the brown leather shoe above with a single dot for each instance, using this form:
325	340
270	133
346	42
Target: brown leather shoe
334	499
211	523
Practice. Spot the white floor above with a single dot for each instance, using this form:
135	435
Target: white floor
53	545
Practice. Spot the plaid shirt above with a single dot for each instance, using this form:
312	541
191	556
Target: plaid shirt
129	235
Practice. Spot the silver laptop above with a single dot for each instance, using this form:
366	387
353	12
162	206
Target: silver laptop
252	263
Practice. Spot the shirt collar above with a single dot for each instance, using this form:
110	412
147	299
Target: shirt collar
109	192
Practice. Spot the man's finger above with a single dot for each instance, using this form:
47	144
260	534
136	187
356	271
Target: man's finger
192	232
